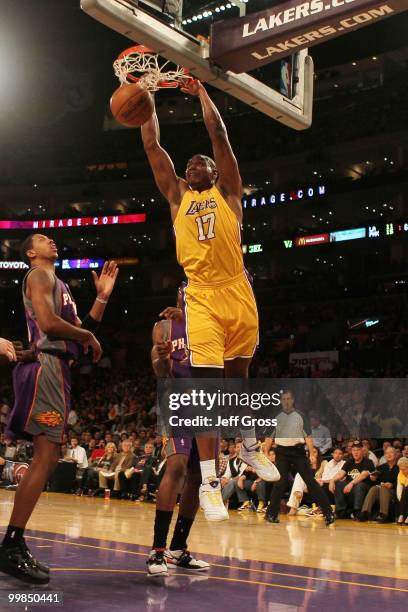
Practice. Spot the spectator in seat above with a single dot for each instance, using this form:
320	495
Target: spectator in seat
397	443
367	445
98	451
91	448
386	444
348	447
351	484
384	489
245	487
299	488
108	437
77	454
320	434
330	470
402	491
134	481
123	461
137	447
405	451
90	478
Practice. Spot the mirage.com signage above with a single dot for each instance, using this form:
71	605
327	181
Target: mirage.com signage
285	196
249	42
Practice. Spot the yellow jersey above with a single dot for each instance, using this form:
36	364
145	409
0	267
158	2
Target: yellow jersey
208	238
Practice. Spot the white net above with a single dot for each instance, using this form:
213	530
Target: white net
144	67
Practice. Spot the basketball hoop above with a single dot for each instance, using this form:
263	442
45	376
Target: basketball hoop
150	74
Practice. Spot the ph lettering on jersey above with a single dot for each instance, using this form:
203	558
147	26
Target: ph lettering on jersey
178	344
67	299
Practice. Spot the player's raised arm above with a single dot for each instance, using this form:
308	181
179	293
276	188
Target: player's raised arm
229	177
161	164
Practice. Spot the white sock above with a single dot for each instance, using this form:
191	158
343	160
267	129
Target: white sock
208	469
249	437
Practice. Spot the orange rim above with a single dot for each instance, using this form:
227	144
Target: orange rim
135	49
142	49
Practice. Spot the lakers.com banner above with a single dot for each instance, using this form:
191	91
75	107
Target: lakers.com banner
246	43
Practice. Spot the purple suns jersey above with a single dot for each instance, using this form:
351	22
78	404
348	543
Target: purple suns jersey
65	307
180	363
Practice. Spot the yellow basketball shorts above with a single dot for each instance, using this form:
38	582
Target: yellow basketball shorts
221	322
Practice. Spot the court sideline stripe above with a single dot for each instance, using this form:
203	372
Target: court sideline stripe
245	569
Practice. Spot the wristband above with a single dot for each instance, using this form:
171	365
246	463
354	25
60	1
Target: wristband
90	324
101	301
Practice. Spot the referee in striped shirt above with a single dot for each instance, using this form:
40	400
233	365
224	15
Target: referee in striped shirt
291	434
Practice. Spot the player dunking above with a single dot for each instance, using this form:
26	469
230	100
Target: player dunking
42	387
220	309
169	358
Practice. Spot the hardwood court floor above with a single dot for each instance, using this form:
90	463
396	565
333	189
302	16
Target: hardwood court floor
99	548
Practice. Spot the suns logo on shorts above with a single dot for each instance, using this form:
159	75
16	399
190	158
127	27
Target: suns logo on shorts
50	418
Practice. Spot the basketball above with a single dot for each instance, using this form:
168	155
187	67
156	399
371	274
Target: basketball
131	105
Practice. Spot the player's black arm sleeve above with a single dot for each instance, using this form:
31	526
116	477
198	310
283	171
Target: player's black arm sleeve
90	324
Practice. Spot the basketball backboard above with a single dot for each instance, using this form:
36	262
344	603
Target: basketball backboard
168	38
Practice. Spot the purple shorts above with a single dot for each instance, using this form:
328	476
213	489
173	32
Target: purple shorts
41	399
187	446
184	446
